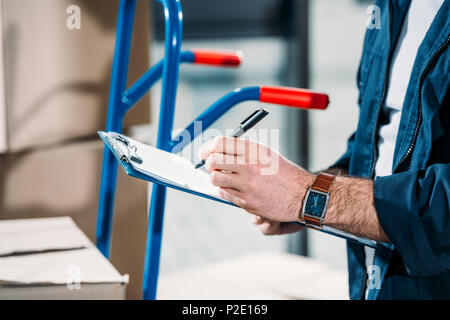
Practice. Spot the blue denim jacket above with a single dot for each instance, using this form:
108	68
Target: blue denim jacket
413	204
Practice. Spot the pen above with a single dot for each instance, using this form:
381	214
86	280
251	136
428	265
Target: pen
245	125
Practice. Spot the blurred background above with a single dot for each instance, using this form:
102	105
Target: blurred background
53	98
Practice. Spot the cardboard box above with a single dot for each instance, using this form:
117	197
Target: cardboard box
54	81
51	258
64	180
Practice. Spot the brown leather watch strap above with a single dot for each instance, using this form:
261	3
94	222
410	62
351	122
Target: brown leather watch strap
323	182
312	223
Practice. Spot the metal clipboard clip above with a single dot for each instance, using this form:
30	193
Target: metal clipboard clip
128	152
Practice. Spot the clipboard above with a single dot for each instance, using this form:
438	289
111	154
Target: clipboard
141	161
128	153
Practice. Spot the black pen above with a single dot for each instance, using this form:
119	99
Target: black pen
247	124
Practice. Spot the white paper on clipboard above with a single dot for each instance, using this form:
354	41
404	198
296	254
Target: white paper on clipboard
166	167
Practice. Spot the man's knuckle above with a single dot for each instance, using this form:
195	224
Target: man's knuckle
214	177
220	143
217	159
213	159
209	164
215	144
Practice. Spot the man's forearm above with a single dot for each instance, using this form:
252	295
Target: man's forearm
351	208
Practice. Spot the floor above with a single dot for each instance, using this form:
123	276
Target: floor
258	276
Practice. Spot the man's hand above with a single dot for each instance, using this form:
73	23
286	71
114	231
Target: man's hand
256	178
270	227
259	180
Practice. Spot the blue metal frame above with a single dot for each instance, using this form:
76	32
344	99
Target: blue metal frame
114	120
173	38
122	100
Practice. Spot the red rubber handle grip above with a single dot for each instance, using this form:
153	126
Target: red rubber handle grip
294	97
218	58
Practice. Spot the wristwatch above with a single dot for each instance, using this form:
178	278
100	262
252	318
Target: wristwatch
316	200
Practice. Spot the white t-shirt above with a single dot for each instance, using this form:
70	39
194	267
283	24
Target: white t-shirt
417	22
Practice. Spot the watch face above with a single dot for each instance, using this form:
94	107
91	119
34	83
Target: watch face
315	204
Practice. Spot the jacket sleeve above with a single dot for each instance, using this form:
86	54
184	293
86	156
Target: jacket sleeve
414	210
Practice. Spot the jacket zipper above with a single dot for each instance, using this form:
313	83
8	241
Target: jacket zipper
404	162
383	98
384	91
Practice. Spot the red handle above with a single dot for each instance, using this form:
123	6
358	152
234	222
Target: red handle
294	97
218	58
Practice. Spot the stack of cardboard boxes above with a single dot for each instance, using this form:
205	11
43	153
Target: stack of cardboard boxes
53	98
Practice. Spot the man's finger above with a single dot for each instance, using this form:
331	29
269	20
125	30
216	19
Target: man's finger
257	219
225	180
232	195
226	145
220	161
269	228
